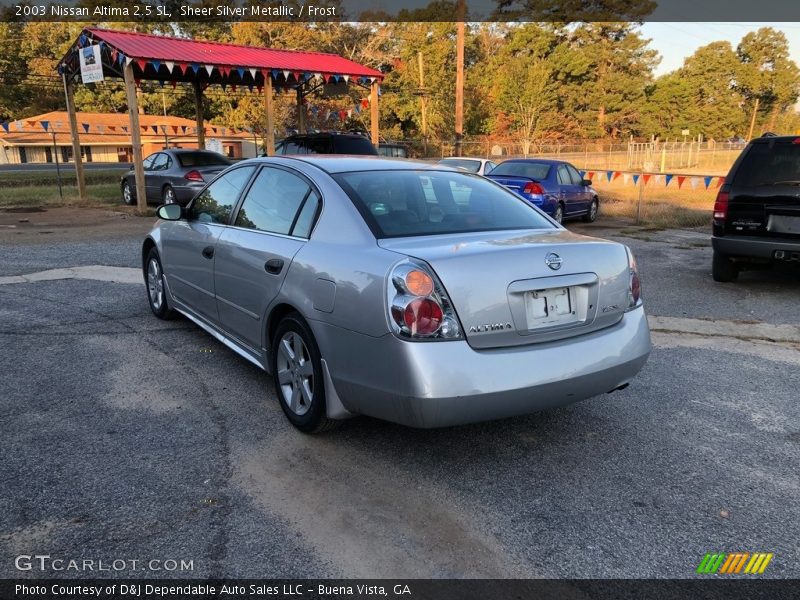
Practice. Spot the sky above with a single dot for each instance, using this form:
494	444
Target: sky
676	41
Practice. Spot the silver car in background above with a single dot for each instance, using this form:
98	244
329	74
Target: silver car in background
397	289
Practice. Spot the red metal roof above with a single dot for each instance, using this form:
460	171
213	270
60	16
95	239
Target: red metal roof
163	48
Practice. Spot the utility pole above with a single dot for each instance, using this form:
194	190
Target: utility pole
753	120
460	15
422	107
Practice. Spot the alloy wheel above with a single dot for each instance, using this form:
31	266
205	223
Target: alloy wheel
155	284
295	373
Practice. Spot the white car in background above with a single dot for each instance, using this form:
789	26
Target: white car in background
481	166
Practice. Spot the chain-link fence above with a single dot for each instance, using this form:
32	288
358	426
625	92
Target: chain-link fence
655	156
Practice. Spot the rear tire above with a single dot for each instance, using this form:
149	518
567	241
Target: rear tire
558	214
168	195
723	269
297	373
156	287
591	214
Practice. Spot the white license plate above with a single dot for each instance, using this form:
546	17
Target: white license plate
554	306
783	224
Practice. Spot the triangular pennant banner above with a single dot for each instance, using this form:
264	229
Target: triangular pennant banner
720	181
209	69
286	75
707	180
681	179
125	128
170	65
240	70
112	127
85	127
645	178
668	179
635	179
154	128
589	174
45	124
156	64
183	128
609	175
616	174
695	181
253	73
142	63
5	126
625	178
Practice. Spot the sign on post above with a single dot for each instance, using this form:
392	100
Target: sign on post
91	64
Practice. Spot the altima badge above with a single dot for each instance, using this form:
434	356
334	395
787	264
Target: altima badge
553	261
490	327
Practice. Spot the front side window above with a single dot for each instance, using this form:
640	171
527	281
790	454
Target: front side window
159	162
216	202
411	203
147	163
278	202
574	175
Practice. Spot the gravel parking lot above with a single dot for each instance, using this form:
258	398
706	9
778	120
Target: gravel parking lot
129	437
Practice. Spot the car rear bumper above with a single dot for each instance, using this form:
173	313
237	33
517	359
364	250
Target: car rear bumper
753	247
438	384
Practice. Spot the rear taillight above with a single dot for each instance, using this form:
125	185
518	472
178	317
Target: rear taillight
533	188
634	282
193	176
419	308
721	205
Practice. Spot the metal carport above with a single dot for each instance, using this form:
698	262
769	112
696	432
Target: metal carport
136	56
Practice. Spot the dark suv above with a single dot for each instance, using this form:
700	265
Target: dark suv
326	143
757	211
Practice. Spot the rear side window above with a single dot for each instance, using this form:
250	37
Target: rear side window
354	145
769	164
522	169
276	203
411	203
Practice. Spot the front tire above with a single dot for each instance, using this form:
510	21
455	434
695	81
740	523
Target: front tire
591	214
156	287
297	373
127	194
723	269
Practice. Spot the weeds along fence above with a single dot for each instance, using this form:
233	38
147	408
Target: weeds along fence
661	200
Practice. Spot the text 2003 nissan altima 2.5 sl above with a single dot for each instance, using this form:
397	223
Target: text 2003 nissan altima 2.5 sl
393	289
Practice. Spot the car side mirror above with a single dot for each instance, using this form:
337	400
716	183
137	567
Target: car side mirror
586	182
169	212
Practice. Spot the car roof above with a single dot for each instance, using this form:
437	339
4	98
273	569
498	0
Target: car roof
540	161
344	163
462	158
325	134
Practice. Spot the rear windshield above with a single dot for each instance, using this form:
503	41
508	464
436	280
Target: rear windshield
473	166
202	159
409	203
522	169
354	145
769	164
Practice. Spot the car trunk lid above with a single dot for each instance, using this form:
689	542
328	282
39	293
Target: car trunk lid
513	182
519	287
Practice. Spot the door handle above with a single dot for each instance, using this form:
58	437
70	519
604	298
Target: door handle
208	252
273	266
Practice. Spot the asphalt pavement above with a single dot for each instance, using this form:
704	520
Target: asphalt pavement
129	437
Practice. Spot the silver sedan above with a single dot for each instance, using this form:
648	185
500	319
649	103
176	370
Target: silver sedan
397	289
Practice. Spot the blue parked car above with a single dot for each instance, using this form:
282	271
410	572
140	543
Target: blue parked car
554	186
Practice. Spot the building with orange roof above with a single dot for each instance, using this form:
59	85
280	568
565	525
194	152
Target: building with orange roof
105	137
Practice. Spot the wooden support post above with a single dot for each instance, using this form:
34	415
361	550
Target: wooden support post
301	114
136	138
269	134
373	111
76	142
199	121
459	78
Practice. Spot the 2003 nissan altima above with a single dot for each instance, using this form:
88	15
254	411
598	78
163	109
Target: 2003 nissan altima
396	289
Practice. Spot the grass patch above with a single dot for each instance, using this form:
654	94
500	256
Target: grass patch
100	194
50	178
